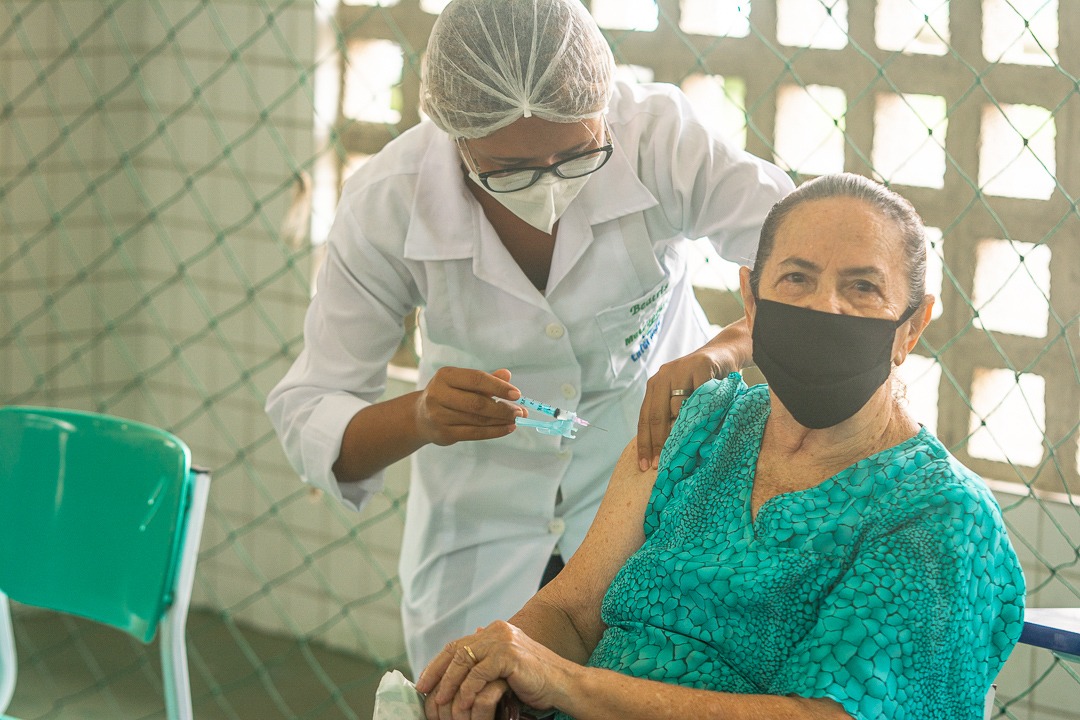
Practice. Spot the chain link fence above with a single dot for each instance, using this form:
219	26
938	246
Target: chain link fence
168	171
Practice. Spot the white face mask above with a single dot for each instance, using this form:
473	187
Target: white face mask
542	203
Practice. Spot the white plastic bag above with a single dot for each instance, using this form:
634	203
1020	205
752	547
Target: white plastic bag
398	699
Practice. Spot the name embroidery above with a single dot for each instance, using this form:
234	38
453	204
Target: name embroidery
649	300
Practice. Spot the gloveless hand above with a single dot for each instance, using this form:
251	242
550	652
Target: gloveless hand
456	405
468	678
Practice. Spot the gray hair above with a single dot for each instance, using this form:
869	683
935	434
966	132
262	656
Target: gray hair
888	203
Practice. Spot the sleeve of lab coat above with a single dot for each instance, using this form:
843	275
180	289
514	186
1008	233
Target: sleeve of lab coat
352	328
712	189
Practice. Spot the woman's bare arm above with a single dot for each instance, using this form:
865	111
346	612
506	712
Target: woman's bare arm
565	614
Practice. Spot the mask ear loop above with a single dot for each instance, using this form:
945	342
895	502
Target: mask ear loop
470	163
605	133
903	319
908	313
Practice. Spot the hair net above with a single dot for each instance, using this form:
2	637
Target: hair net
490	62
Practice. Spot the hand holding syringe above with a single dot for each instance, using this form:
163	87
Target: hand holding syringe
566	422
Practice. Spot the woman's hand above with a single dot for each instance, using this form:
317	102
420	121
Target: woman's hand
469	677
668	389
456	405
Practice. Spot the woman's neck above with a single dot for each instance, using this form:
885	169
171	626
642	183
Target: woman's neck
878	425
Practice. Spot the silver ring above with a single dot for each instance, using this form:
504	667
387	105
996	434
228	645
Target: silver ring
679	392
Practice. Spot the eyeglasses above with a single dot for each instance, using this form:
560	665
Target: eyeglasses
513	179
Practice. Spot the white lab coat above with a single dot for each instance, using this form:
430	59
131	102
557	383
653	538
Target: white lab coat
482	518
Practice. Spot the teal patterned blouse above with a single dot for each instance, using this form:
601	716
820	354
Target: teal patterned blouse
890	587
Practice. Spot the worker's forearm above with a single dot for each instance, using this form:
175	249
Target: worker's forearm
378	436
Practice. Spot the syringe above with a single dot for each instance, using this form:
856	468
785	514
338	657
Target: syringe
567	417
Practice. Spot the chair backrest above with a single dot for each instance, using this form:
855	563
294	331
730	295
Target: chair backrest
92	513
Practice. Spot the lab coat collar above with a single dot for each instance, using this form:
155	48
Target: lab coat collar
614	190
448	224
444	221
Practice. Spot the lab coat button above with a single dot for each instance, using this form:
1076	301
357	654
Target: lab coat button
569	391
557	526
555	331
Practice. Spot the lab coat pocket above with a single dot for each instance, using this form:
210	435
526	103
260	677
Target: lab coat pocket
630	330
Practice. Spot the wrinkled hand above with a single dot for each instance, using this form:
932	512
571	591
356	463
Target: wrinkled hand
726	353
456	405
470	675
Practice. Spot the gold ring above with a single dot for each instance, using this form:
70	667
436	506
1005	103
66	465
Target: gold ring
469	652
679	392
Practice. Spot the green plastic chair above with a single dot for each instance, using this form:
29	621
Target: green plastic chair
100	517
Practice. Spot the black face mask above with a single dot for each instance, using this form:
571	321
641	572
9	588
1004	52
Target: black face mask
822	366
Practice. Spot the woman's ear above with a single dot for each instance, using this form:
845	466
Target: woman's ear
749	301
912	330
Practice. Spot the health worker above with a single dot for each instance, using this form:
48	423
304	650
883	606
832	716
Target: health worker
542	222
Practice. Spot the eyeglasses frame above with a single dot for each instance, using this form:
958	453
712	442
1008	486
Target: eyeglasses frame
539	171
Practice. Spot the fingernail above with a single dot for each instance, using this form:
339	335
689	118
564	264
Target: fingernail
643	464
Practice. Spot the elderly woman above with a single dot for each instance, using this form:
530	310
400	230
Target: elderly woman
806	549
